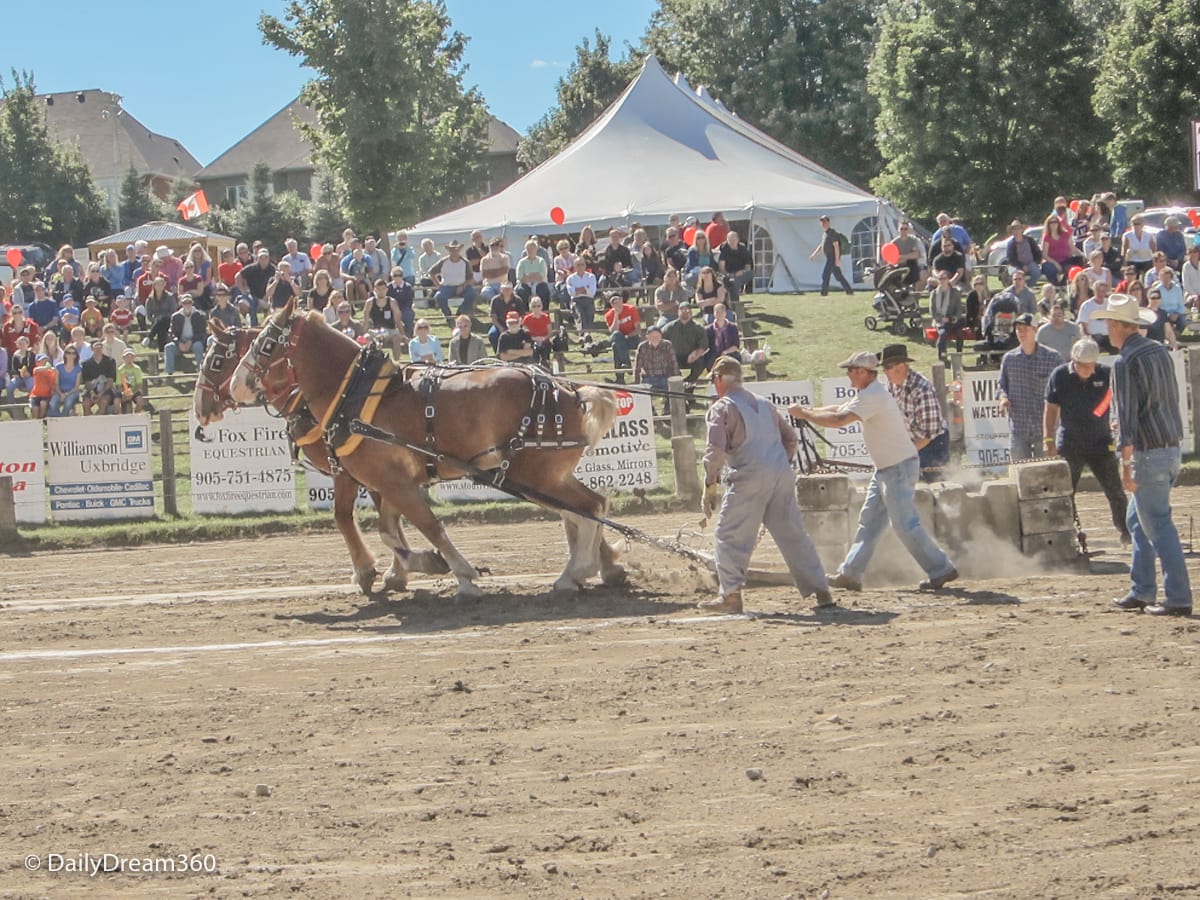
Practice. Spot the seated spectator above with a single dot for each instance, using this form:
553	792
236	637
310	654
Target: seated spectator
650	261
466	349
404	258
564	265
83	346
537	324
581	284
18	326
1161	330
1058	252
99	382
1158	264
69	284
227	271
723	337
20	368
958	233
329	263
1138	246
68	383
358	272
977	301
699	257
622	320
709	292
44	308
515	344
382	314
299	264
1059	333
426	263
493	269
42	389
224	311
425	347
655	362
737	265
1022	254
502	304
401	292
159	304
170	265
456	281
344	321
1092	241
912	255
1096	329
615	263
130	383
188	334
946	311
319	294
50	346
121	316
689	339
1096	271
1026	299
668	296
586	245
1171	242
949	259
22	288
1189	276
191	282
1172	299
674	250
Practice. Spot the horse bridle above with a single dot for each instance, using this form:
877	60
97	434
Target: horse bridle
258	361
224	349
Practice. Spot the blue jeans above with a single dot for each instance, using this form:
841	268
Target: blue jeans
19	383
934	457
171	354
1033	271
585	312
890	496
833	270
64	406
620	348
1154	534
446	291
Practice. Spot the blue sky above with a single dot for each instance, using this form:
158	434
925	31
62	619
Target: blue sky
206	79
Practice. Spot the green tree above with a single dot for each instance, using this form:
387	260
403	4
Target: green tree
797	69
46	190
964	120
590	86
394	122
260	219
137	205
329	218
1148	91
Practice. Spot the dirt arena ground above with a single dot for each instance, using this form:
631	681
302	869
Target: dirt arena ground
237	706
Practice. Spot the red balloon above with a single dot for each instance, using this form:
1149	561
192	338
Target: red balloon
890	253
1073	271
557	216
15	256
1074	206
689	235
314	251
1193	217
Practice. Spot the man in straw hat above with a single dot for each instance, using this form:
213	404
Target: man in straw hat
749	438
1149	432
1076	425
890	493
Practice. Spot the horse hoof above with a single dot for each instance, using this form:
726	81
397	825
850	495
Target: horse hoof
366	580
615	577
395	582
564	589
469	591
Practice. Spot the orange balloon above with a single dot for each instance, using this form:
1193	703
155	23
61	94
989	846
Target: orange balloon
314	251
557	216
890	253
15	257
1074	206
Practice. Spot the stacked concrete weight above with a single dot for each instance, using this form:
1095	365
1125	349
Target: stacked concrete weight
1046	507
825	505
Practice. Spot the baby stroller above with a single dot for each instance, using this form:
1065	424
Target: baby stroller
895	304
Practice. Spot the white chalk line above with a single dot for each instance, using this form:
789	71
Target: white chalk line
298	643
241	595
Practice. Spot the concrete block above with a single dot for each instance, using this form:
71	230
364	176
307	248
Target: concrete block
1048	515
951	522
1046	479
1056	546
1000	506
823	491
923	499
827	526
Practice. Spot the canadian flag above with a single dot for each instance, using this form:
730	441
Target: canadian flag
194	205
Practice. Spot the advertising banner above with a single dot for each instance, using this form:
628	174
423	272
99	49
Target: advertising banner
242	464
21	459
100	467
319	488
986	430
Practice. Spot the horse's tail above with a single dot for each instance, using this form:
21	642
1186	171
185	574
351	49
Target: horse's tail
600	408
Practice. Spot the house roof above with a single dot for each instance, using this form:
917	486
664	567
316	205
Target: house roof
157	232
279	144
112	139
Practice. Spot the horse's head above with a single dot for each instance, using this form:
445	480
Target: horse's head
265	371
228	345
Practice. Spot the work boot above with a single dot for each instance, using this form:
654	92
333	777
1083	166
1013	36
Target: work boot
934	584
726	603
844	581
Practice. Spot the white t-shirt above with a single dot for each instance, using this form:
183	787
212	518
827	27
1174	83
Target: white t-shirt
884	429
1084	318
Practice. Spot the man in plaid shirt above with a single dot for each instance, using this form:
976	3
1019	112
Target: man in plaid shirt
1024	372
918	402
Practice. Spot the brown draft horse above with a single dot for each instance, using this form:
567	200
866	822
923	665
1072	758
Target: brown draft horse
211	400
477	412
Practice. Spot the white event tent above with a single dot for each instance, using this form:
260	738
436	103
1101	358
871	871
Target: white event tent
663	148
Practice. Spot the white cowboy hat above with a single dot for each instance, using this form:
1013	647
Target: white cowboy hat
1124	308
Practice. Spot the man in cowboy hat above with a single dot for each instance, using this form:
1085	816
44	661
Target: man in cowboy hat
457	280
918	402
754	444
890	493
1149	432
